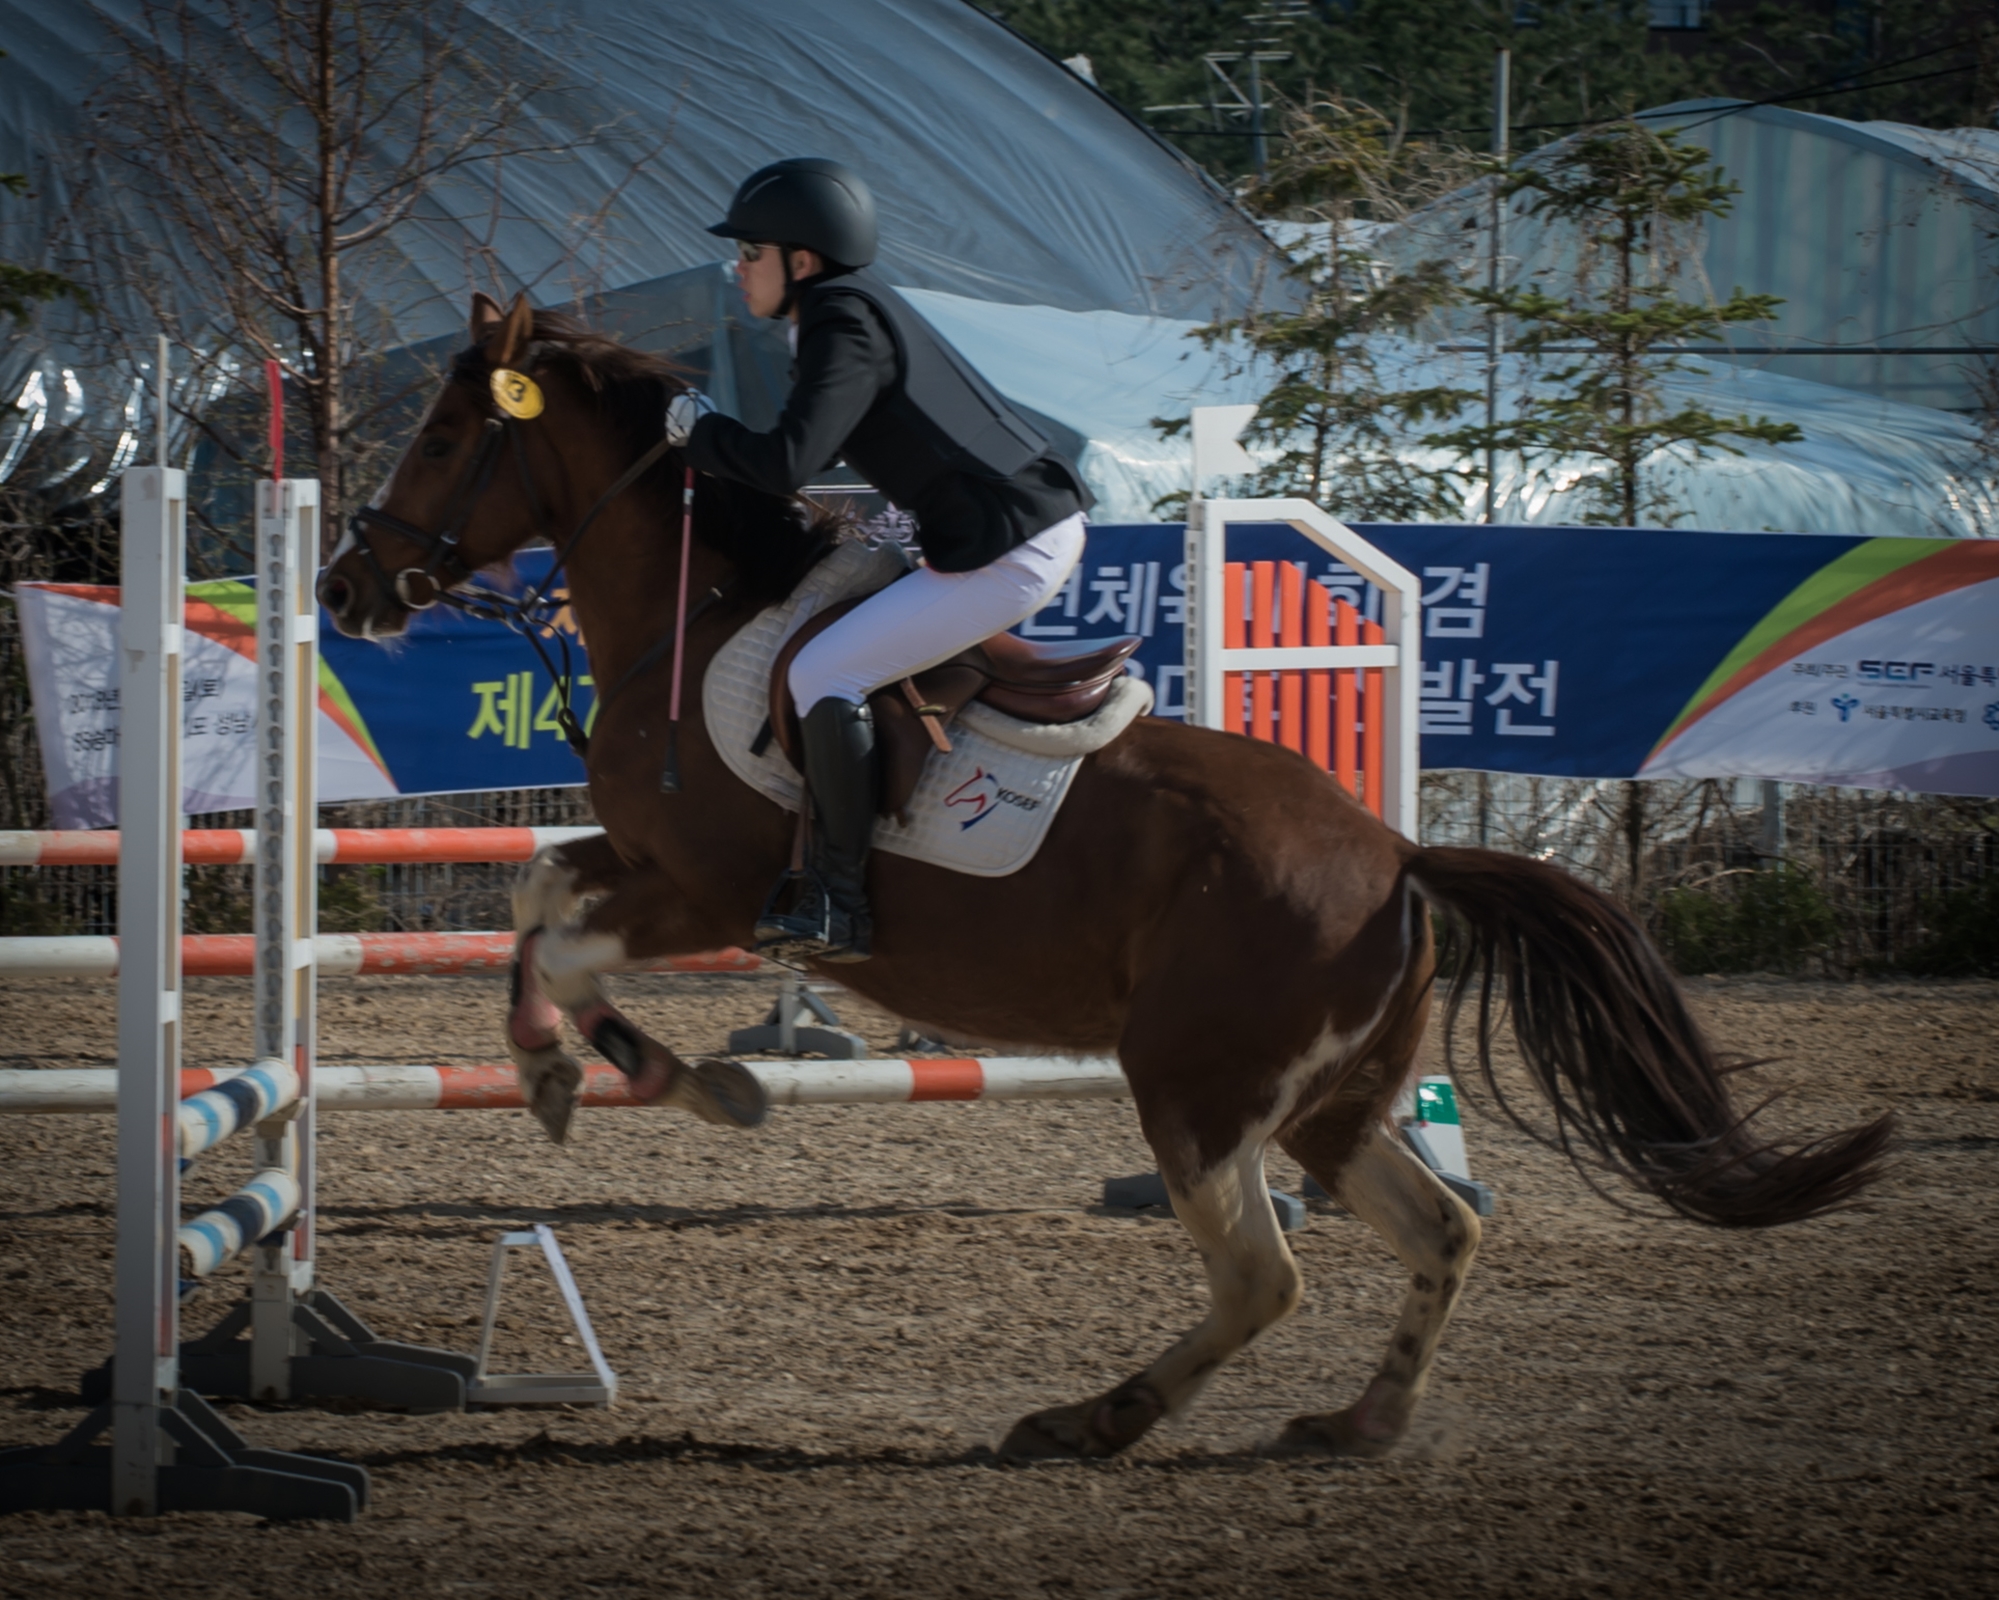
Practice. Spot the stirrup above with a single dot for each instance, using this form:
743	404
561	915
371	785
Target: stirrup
792	935
811	930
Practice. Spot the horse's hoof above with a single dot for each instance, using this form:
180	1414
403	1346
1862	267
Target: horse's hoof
730	1094
1088	1432
1332	1434
552	1085
1061	1434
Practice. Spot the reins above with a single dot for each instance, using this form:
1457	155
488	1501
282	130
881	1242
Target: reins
531	614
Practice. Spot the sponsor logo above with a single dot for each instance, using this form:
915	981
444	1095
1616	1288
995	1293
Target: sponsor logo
982	794
1905	672
1845	705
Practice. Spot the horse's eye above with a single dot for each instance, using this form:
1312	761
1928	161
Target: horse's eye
433	448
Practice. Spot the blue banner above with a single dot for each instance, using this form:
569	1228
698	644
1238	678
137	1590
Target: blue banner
1576	652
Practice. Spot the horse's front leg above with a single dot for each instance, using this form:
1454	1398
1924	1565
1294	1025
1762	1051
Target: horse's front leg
557	964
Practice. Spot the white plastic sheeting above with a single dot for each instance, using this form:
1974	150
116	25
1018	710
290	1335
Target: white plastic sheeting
1866	466
999	173
1875	235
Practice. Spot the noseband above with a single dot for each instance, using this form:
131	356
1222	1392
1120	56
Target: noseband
419	588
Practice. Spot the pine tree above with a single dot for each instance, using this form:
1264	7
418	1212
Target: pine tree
1626	199
1341	435
21	287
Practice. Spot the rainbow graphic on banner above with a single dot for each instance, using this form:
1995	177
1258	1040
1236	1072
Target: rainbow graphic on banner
1877	671
70	631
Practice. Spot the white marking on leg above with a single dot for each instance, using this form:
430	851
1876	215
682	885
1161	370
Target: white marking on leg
544	893
1435	1235
1252	1279
567	962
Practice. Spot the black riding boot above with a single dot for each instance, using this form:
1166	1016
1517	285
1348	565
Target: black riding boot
830	922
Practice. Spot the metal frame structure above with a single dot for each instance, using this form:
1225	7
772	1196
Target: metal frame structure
1400	658
301	1341
284	982
168	1449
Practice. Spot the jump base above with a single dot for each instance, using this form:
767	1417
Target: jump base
342	1360
216	1470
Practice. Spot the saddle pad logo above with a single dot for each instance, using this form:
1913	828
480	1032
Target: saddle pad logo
977	791
982	792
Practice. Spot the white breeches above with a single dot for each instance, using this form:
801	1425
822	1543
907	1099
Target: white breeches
929	617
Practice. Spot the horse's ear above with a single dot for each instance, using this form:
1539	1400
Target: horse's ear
486	317
518	333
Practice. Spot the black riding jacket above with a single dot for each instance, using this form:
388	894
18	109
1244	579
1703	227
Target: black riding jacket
878	386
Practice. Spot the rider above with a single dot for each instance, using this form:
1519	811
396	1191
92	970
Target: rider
999	514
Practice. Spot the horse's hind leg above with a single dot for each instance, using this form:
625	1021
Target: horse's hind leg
1433	1232
556	969
1252	1281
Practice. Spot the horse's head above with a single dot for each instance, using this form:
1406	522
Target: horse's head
494	458
498	463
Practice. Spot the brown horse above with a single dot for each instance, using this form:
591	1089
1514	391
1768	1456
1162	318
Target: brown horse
1250	942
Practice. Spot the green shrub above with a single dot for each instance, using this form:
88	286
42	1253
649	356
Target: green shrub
1963	934
216	900
1771	921
349	901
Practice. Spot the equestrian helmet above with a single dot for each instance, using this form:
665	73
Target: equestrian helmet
806	203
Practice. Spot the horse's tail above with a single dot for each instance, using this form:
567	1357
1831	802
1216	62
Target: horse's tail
1607	1037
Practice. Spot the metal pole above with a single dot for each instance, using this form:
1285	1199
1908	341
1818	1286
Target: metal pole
1256	150
160	404
1495	332
1771	844
286	907
145	1373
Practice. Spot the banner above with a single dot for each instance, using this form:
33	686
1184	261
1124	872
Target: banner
70	637
1576	652
1616	653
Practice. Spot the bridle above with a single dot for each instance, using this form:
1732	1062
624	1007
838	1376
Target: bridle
444	578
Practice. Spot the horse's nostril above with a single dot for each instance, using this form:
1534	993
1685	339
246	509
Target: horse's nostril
336	594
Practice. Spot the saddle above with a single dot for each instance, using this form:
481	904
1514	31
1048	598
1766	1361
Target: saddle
1035	682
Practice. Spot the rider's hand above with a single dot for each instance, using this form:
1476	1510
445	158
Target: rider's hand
682	412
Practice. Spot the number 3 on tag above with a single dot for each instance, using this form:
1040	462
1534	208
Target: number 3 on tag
517	394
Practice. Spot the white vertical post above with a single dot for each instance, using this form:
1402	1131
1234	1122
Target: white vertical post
151	610
1215	435
1399	656
1207	542
1402	685
286	897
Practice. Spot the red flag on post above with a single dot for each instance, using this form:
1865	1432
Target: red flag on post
274	376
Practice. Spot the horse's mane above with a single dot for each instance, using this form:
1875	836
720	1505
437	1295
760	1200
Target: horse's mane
772	540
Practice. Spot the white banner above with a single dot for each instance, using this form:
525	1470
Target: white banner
70	635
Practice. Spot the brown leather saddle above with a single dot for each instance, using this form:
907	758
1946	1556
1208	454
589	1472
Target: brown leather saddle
1024	678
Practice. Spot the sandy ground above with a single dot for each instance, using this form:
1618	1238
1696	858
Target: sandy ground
822	1328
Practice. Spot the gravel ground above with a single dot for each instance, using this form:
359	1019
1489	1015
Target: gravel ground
822	1328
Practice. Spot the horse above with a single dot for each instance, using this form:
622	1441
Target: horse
1256	948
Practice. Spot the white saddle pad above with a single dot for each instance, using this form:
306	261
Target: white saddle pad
984	808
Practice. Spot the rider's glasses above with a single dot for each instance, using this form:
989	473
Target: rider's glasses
747	251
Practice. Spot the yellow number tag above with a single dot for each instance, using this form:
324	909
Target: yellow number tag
517	394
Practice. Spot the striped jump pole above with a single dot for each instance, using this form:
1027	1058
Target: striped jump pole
495	1088
336	955
222	847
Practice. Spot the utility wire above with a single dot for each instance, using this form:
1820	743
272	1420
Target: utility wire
1819	92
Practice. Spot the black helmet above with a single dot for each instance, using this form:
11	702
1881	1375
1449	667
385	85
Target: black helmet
805	201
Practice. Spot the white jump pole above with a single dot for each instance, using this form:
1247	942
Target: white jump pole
151	606
286	900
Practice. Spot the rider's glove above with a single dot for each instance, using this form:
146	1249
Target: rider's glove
682	412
